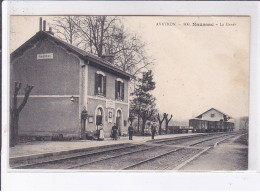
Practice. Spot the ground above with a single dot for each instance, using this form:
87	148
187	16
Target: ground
192	152
43	147
228	156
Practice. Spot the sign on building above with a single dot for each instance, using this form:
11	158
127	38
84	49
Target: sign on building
110	104
45	56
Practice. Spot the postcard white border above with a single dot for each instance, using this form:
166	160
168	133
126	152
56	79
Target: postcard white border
141	181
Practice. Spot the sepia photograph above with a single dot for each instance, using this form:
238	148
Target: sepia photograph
129	93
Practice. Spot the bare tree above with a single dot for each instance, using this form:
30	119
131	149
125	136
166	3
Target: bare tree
15	111
95	32
167	121
101	35
160	123
65	28
244	123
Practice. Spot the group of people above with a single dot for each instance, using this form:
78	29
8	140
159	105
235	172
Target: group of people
101	134
115	132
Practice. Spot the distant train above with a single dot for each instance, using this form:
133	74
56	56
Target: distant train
204	126
179	129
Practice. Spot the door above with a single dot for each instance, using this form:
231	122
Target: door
119	121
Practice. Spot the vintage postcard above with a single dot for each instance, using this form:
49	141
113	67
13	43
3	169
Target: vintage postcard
129	92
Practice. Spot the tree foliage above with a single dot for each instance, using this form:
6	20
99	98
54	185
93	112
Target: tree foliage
143	103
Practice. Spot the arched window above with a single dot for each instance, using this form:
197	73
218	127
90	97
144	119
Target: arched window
99	116
118	113
100	83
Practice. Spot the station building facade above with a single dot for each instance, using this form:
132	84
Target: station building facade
66	81
213	115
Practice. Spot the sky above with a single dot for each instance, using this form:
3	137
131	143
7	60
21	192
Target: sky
196	67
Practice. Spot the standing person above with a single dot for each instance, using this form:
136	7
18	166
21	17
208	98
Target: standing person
130	132
114	132
101	136
153	128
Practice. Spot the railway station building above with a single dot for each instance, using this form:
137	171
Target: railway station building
213	115
68	81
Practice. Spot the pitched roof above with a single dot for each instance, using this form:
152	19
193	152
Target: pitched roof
215	110
81	53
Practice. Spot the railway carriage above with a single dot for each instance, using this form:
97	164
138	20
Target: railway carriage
211	121
201	126
198	125
211	126
230	126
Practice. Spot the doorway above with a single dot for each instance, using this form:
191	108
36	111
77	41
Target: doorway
119	121
99	117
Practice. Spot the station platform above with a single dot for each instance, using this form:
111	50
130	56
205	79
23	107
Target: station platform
41	148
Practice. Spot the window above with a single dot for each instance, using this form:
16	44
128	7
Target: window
212	115
119	89
100	84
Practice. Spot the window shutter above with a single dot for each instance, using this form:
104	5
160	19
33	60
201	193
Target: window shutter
116	88
105	85
96	83
123	91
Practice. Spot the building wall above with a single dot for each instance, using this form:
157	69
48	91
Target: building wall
110	87
49	110
93	102
217	116
49	76
46	117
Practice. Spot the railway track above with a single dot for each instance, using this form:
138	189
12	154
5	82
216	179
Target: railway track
112	157
53	159
179	140
144	164
158	155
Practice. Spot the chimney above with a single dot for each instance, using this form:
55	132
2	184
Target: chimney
109	58
40	27
44	25
50	31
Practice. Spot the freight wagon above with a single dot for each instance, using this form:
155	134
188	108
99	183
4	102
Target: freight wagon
202	126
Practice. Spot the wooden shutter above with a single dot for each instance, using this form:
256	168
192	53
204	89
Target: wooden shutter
116	88
105	85
123	91
96	83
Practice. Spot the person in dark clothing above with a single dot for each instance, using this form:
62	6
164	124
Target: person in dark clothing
130	132
115	132
153	129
